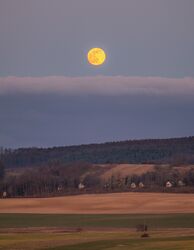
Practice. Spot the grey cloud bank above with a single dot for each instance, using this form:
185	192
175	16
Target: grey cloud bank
50	95
98	85
53	111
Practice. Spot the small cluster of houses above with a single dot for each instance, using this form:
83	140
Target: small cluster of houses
180	183
133	185
81	186
168	184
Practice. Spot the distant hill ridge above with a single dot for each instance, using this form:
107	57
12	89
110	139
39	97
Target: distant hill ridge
130	151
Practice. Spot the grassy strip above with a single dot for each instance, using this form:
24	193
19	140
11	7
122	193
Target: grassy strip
136	244
94	221
117	240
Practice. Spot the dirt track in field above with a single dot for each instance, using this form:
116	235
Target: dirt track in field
118	203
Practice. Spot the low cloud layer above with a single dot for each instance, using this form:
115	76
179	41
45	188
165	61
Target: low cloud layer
98	85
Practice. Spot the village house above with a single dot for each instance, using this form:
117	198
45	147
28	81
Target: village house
133	185
4	195
169	184
60	188
181	183
81	186
141	185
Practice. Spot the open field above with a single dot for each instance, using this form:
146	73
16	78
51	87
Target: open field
98	222
96	232
105	171
64	222
135	244
95	240
116	203
123	170
99	232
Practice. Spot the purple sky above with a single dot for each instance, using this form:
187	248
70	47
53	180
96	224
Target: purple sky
50	95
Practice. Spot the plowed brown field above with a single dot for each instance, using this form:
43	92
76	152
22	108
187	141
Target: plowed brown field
118	203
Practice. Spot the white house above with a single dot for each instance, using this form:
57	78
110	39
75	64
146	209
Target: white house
181	183
81	186
60	187
133	185
168	184
4	194
141	185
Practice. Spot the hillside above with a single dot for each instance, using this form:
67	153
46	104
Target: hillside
132	151
65	179
108	167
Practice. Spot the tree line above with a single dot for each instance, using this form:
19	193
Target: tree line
133	151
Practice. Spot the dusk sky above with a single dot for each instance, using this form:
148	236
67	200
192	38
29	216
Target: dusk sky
51	96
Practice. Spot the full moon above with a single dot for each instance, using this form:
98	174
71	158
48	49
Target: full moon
96	56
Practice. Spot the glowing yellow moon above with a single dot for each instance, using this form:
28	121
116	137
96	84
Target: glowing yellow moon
96	56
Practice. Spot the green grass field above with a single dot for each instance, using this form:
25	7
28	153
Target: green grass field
186	243
105	221
169	232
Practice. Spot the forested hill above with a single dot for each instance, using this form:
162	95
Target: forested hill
132	151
